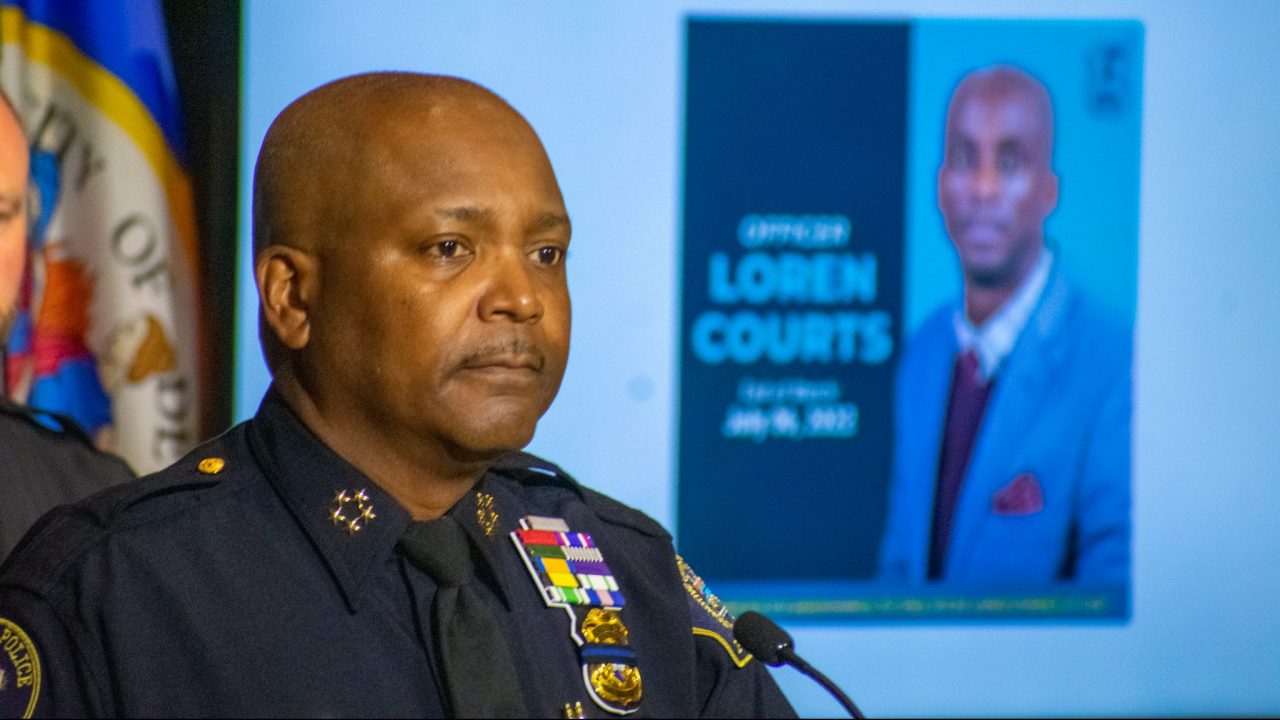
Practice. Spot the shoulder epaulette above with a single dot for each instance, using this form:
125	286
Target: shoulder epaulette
64	534
200	469
710	617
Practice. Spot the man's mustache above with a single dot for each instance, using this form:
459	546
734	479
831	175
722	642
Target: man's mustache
513	349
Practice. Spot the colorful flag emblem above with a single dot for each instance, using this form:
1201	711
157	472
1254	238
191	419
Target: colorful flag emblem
106	331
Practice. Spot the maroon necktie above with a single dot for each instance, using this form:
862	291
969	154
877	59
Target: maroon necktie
965	407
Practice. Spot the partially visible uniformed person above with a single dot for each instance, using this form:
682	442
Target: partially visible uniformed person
372	542
45	459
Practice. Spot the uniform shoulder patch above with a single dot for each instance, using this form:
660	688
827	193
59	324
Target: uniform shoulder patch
710	617
19	672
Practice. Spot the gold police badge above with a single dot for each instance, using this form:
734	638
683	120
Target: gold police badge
570	573
19	672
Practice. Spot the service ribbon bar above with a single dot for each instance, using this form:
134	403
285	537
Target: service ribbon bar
567	566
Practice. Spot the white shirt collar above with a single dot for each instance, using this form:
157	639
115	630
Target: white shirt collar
993	342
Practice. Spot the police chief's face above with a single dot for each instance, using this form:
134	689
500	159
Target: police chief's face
13	216
446	312
995	187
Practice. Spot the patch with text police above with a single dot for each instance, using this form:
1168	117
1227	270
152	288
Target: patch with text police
710	617
571	573
19	672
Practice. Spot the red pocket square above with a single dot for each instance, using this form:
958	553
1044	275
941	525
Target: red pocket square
1020	497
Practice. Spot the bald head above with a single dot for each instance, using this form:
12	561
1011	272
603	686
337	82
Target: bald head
1008	86
996	186
323	155
410	239
359	155
14	159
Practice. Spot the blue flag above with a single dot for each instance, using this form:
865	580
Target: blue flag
106	331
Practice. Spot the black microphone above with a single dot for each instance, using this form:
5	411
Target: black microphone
763	638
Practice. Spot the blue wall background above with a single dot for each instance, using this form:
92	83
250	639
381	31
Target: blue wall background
603	85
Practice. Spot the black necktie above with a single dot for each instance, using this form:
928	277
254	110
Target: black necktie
479	675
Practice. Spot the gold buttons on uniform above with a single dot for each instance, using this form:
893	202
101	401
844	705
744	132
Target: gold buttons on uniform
211	465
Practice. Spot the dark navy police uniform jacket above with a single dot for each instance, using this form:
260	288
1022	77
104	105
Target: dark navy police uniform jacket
41	468
233	583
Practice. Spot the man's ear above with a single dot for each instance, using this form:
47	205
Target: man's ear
1050	190
287	280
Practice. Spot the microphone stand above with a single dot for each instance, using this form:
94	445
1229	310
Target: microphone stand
791	658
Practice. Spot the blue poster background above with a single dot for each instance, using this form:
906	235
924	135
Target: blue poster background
791	295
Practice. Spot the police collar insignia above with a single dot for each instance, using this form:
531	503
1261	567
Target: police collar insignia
486	516
19	672
571	573
352	519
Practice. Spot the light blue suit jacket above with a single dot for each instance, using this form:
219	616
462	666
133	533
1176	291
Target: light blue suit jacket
1060	410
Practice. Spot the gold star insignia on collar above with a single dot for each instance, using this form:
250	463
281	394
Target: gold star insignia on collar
359	519
486	516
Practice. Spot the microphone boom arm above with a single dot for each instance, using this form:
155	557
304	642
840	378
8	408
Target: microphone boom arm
789	656
762	637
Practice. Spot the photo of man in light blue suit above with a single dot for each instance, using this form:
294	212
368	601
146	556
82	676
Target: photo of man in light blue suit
1012	403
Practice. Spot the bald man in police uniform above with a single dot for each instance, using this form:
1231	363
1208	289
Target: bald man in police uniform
372	542
45	459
